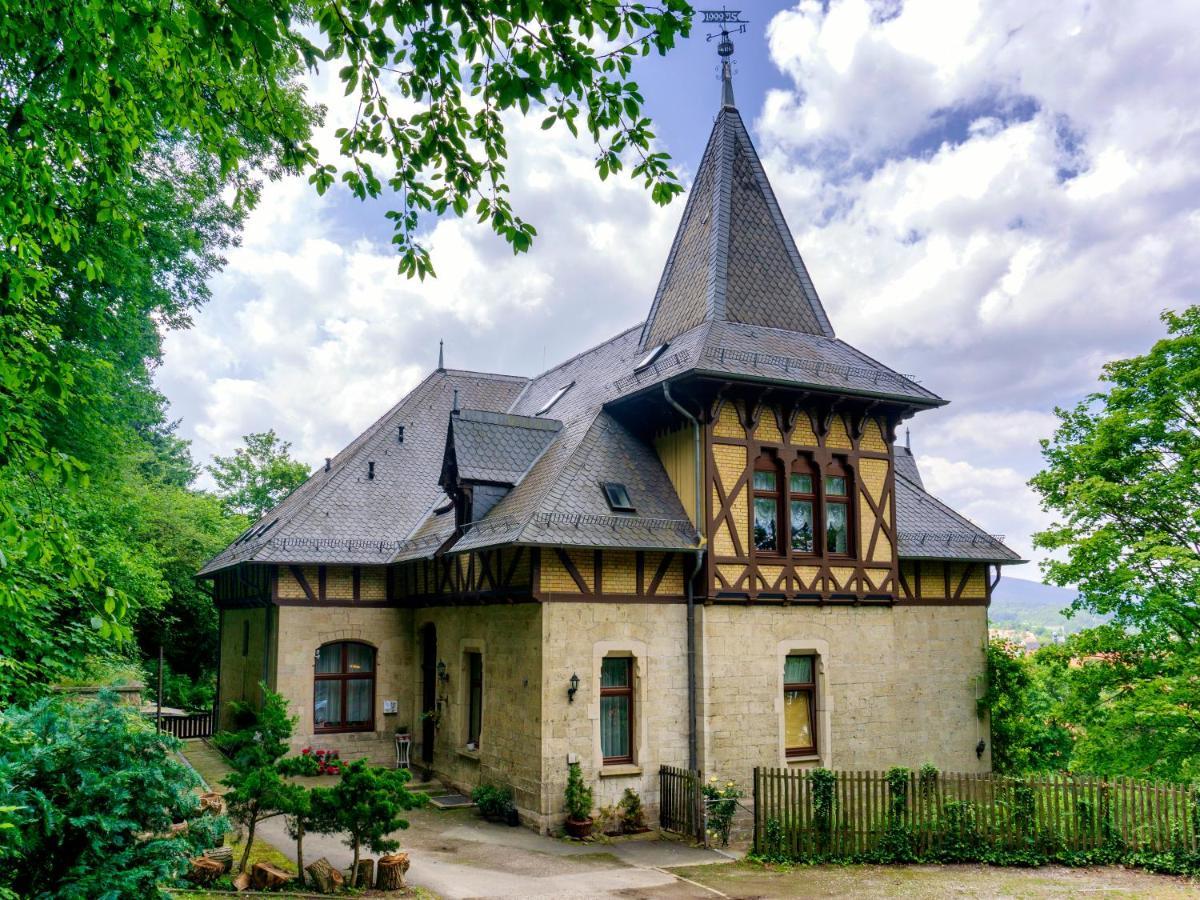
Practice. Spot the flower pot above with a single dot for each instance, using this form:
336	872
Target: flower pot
578	828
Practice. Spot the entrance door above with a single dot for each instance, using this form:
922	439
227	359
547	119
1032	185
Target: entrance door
428	689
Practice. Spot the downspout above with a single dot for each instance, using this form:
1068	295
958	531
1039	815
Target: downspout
691	599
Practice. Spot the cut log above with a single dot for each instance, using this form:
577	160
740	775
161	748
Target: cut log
205	870
266	877
178	828
390	872
366	874
212	802
242	882
223	855
325	878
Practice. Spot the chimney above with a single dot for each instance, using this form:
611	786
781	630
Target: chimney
371	470
328	462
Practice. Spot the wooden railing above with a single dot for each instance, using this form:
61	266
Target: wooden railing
198	725
808	814
679	801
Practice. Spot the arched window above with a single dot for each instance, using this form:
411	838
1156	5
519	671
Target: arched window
344	687
802	504
766	489
836	489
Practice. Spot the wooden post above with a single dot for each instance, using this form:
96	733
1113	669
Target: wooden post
158	714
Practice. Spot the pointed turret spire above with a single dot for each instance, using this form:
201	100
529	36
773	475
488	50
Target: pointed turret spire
441	362
733	258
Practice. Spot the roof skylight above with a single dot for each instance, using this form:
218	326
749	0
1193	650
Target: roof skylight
650	357
557	396
617	496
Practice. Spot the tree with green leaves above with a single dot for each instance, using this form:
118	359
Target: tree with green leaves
1027	733
368	805
93	790
135	136
1123	476
257	788
258	475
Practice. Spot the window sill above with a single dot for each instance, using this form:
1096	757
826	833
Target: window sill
806	758
615	771
469	754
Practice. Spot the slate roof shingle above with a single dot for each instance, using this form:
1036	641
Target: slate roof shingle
497	447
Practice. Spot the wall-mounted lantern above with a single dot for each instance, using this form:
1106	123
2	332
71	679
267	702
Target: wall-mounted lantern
574	686
441	671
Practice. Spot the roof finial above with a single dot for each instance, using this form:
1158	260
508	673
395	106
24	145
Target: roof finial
725	18
907	440
441	363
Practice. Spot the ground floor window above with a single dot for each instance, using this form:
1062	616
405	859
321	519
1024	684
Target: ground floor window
474	697
799	705
616	709
344	687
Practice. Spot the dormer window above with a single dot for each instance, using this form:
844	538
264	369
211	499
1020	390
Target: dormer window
558	395
650	357
617	496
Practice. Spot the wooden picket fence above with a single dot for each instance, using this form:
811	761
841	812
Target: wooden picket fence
198	725
679	801
1054	811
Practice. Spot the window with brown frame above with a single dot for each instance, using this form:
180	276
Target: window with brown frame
766	512
800	705
836	490
344	687
802	504
616	709
474	697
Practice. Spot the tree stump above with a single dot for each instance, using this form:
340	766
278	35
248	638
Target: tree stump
205	870
242	882
266	877
211	802
223	855
366	874
325	878
390	872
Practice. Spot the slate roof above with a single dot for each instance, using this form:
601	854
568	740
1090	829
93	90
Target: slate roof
929	529
735	301
496	447
341	516
733	258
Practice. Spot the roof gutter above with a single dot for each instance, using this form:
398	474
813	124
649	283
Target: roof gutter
691	599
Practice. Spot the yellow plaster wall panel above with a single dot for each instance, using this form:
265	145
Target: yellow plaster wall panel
731	574
876	577
802	434
976	586
728	424
672	581
842	576
555	577
731	463
838	438
741	519
873	475
771	576
866	527
808	576
872	437
289	587
339	582
372	583
723	541
620	572
883	549
768	427
522	571
933	580
677	452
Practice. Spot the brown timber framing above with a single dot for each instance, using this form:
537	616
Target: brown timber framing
939	573
720	500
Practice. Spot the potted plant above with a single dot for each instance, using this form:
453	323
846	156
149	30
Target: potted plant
578	798
493	801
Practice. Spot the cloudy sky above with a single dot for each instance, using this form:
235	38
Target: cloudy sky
994	196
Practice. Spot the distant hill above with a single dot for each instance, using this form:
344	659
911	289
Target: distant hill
1018	602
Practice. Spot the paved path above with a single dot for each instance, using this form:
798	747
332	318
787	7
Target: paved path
456	854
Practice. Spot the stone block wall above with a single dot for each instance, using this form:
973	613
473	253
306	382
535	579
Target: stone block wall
896	686
302	629
577	636
244	643
509	638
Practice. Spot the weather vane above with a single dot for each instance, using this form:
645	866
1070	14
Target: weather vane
726	18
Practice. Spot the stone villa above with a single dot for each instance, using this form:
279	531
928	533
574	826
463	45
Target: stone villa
697	544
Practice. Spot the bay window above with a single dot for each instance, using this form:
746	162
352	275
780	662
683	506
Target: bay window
837	512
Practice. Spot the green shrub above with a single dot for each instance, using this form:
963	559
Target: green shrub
366	805
633	818
92	791
494	801
578	796
720	807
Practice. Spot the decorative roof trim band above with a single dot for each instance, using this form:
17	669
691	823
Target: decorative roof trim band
787	363
578	519
658	367
975	539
